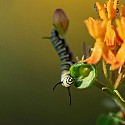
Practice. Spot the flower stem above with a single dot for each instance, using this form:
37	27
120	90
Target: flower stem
119	102
104	69
112	76
118	81
106	75
112	94
98	84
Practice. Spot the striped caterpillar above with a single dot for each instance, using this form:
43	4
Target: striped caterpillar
80	74
66	58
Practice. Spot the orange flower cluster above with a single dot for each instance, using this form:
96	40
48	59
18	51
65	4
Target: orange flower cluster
109	34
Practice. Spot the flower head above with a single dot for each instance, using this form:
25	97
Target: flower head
109	39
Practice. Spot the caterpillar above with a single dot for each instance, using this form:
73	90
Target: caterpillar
80	74
67	60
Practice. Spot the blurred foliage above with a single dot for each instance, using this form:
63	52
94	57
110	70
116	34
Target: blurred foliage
111	119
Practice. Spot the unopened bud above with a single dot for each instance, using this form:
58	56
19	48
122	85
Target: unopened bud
60	21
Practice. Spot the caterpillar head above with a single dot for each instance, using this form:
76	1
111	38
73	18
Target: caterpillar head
66	80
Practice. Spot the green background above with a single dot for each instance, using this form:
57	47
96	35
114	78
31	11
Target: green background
30	67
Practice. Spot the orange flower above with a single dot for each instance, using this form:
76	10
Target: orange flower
108	38
97	29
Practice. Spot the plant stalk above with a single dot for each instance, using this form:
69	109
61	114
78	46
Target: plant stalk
119	102
112	94
106	74
119	79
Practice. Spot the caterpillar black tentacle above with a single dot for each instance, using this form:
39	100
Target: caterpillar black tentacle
56	85
69	95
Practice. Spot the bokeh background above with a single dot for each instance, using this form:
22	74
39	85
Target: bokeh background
30	67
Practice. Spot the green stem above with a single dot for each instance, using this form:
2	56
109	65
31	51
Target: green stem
99	85
104	69
119	102
112	76
106	74
112	94
118	81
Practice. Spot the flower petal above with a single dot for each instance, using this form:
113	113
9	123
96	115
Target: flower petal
116	2
107	54
118	39
96	54
111	9
110	36
102	11
96	27
122	11
120	58
121	27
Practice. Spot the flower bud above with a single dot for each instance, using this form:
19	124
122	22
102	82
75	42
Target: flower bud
60	21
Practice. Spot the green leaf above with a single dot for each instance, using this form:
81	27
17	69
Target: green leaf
111	119
84	74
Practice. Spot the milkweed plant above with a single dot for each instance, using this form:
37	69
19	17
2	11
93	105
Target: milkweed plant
108	32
